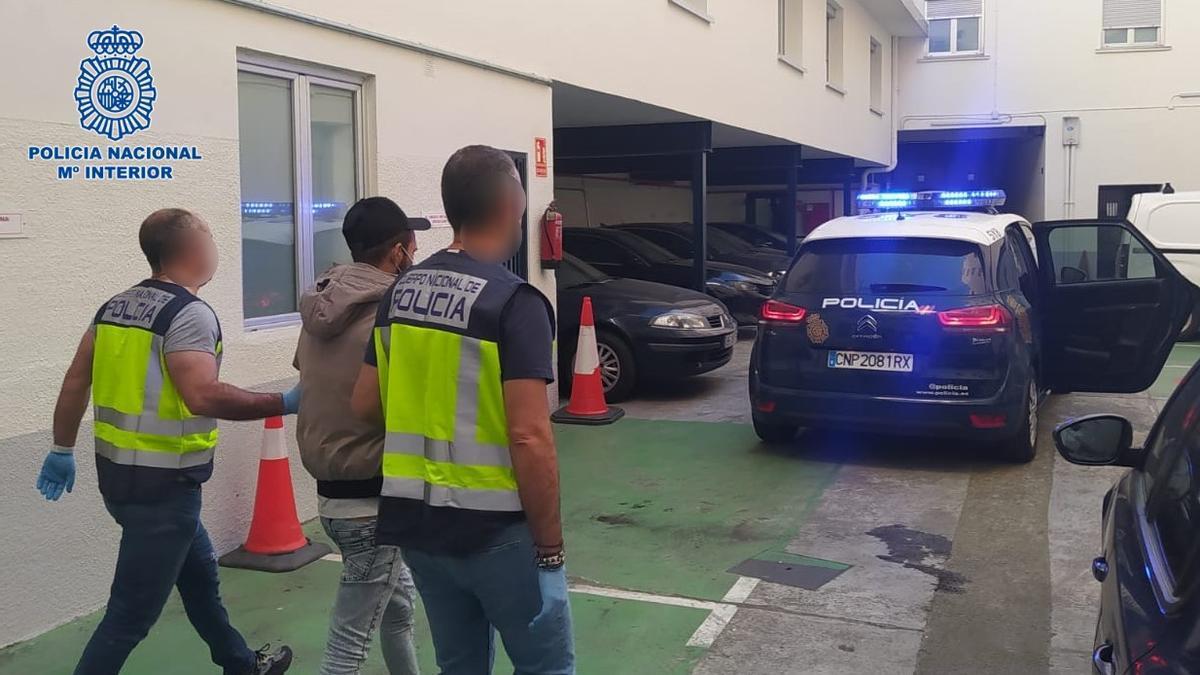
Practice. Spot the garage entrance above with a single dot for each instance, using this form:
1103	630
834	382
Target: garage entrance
619	161
1008	158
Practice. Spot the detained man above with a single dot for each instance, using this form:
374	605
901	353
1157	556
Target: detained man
344	453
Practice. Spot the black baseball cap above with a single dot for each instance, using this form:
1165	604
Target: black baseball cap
377	220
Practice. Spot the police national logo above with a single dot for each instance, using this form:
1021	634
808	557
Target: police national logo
115	93
817	329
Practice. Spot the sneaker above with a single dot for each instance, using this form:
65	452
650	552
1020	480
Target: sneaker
268	662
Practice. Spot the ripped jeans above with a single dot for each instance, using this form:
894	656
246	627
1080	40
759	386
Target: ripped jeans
376	591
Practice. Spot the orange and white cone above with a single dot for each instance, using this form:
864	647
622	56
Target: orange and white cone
275	543
587	404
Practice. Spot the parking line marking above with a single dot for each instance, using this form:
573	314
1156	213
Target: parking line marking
741	590
715	624
719	613
622	594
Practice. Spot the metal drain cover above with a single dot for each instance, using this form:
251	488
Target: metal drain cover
789	569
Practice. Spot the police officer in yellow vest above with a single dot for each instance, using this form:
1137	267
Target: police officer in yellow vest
150	360
457	373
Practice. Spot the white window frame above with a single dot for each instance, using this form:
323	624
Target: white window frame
301	77
954	51
1129	43
875	99
791	52
835	13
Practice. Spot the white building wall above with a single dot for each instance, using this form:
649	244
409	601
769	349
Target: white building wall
1042	63
655	52
79	245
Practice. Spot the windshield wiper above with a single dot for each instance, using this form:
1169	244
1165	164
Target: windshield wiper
904	288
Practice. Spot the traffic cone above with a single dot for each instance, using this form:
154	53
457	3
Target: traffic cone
275	543
587	404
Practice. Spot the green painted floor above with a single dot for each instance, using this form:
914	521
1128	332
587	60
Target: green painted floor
1182	358
654	506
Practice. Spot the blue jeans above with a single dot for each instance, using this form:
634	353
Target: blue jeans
163	545
498	587
376	591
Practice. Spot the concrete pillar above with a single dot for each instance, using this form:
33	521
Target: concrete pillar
700	218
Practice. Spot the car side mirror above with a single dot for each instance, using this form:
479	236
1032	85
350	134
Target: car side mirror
1072	275
1096	440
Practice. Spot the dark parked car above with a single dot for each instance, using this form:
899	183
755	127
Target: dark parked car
754	235
679	239
1149	563
948	324
625	255
644	330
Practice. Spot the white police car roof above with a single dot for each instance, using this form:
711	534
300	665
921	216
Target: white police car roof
980	228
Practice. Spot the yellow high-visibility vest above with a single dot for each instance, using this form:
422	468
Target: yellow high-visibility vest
141	421
447	435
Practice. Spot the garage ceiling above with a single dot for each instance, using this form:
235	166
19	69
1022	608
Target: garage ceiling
579	107
902	18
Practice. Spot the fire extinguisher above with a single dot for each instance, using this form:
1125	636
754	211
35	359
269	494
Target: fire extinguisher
552	227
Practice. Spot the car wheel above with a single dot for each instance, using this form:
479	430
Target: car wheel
775	432
618	372
1022	447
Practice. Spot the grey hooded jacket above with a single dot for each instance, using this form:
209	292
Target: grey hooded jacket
342	452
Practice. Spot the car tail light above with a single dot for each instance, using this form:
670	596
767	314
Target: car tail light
765	406
992	317
995	421
774	310
1153	663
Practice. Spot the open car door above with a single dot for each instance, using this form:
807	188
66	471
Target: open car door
1110	304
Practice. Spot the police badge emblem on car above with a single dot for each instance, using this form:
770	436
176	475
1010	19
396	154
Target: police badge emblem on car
817	329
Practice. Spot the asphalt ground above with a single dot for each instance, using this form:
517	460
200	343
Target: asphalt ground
913	556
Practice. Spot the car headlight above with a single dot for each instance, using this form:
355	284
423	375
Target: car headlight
679	319
744	286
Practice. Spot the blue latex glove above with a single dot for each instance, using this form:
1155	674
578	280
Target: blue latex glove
58	473
291	400
552	585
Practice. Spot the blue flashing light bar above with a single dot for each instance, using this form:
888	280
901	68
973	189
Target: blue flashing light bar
886	196
930	199
285	208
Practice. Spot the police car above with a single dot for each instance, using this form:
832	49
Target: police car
936	314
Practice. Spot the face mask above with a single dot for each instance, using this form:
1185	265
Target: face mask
401	266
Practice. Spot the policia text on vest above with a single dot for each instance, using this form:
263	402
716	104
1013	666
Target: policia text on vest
444	298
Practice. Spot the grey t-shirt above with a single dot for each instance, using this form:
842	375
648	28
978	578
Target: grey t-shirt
194	329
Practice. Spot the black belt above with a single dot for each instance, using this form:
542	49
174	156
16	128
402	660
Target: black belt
350	489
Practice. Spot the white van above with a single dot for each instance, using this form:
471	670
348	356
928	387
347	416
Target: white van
1171	221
